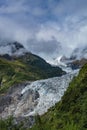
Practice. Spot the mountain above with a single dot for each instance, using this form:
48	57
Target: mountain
75	61
77	64
12	48
79	53
78	58
71	112
17	65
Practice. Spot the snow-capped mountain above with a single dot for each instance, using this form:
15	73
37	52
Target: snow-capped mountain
58	61
12	48
76	60
62	62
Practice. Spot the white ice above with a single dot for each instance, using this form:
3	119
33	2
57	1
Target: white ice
50	91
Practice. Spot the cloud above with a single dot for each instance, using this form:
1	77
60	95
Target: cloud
13	31
69	37
47	47
11	7
48	28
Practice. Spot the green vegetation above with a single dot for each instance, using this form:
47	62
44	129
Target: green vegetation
12	72
28	67
71	112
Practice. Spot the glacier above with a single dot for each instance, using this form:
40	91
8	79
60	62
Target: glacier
32	98
50	91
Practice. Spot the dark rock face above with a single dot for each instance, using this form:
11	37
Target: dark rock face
18	45
12	49
6	56
36	95
5	100
15	48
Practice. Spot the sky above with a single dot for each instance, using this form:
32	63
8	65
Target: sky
48	28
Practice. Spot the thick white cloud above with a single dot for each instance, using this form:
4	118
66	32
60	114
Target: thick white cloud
48	28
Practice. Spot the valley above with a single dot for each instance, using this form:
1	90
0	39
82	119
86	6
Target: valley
43	64
31	87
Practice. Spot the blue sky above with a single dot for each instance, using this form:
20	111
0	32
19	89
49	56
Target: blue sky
45	27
